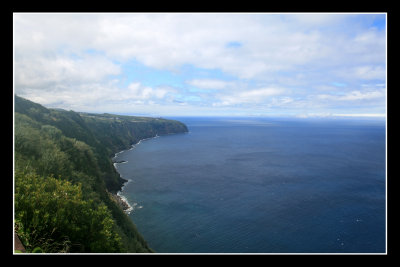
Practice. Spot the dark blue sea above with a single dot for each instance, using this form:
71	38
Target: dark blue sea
261	185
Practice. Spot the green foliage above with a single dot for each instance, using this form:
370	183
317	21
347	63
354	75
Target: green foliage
63	171
37	250
52	215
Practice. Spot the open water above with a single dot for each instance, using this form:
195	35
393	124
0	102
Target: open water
257	185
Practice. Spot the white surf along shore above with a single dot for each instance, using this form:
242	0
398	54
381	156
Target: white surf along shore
119	197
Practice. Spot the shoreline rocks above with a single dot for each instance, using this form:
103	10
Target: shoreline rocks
121	202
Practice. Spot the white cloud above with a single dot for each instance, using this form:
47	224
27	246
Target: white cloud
76	54
312	19
370	72
108	96
43	72
209	83
354	96
361	115
259	94
269	43
253	97
314	115
282	101
137	91
333	115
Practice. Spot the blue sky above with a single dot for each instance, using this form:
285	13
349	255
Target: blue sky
213	64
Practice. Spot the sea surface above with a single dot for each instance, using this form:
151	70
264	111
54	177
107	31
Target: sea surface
261	185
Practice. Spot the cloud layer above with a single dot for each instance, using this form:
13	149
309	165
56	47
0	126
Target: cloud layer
279	62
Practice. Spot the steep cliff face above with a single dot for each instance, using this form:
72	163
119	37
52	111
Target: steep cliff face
77	147
118	132
106	134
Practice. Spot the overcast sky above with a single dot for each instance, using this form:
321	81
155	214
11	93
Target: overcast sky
169	64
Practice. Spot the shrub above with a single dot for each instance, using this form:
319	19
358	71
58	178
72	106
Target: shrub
51	214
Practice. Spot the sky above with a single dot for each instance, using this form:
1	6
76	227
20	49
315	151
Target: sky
203	64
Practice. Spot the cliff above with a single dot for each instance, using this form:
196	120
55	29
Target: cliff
73	151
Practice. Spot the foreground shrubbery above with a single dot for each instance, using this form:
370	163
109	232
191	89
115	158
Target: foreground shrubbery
51	214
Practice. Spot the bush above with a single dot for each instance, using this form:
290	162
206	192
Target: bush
51	214
37	250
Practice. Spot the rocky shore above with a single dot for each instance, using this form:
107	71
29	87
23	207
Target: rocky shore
121	202
120	161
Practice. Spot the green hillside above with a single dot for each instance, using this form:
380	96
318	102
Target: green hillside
64	177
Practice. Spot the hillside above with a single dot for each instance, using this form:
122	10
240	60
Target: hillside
64	177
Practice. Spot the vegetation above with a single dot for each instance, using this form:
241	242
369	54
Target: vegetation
52	215
64	175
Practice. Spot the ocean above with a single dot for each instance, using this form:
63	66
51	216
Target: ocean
261	185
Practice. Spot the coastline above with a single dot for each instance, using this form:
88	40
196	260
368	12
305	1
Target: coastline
121	200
